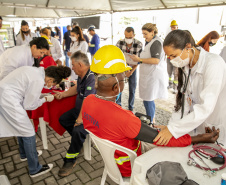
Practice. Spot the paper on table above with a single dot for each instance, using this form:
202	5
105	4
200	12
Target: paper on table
129	60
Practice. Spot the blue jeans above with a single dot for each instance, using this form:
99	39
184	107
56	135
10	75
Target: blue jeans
132	88
66	59
27	148
150	108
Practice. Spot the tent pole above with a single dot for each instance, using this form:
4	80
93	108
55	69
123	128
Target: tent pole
112	27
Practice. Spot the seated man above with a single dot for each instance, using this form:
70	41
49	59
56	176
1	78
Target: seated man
107	120
72	120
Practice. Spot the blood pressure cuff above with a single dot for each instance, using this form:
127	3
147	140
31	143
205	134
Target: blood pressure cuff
168	173
147	133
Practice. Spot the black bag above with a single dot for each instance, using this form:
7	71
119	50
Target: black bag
168	173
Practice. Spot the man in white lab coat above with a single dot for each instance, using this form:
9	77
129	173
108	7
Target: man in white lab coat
2	49
22	56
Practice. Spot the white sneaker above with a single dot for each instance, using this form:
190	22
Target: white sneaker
39	152
45	169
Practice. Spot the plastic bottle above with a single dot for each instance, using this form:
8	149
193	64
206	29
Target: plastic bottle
223	179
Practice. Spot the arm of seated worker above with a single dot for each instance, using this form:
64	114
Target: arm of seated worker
71	92
148	134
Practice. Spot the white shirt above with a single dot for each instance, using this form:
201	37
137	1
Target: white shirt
2	49
223	53
14	58
83	47
20	91
207	90
56	51
28	38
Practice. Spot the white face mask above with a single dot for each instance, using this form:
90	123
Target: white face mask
128	41
178	62
73	39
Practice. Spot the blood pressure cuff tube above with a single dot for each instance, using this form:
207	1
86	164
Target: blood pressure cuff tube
146	134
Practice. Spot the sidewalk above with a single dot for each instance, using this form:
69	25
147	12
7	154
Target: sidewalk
85	172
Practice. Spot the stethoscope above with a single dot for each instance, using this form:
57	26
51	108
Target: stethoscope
184	90
200	150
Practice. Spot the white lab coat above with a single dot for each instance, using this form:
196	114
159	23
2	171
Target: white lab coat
83	47
28	38
14	58
207	89
56	51
20	91
153	78
223	53
2	49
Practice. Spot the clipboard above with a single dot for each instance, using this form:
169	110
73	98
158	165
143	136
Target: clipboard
129	60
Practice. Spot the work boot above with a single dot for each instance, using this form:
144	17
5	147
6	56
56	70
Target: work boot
67	168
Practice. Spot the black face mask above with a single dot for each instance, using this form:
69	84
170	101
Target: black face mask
26	32
211	44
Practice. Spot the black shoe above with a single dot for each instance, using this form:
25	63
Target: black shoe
67	168
45	169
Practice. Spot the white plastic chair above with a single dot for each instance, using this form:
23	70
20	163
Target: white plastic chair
87	148
107	151
4	180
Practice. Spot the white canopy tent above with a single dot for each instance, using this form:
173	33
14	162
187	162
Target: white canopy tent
80	8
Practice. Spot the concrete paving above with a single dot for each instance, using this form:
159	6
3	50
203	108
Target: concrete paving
85	172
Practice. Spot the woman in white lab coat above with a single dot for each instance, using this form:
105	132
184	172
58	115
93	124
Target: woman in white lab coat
24	55
153	69
25	35
201	100
20	91
78	43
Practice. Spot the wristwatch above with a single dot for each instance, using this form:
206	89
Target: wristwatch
140	62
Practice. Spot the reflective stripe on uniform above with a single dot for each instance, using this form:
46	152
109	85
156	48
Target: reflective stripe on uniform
71	155
175	82
123	159
170	79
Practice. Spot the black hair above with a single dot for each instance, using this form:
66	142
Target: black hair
78	31
78	55
40	42
24	23
57	30
129	29
58	73
1	17
75	24
178	39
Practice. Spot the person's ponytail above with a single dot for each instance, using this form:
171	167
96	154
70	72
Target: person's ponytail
58	72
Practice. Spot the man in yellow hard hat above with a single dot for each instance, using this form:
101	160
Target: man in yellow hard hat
174	25
106	119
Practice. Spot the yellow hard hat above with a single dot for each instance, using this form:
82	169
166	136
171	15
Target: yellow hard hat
48	40
174	23
109	59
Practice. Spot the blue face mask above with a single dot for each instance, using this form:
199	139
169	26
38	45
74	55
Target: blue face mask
118	96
